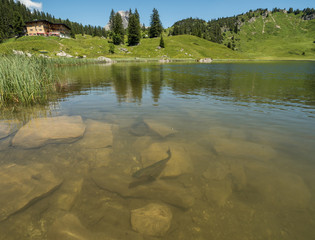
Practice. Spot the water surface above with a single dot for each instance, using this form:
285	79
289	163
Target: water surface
242	141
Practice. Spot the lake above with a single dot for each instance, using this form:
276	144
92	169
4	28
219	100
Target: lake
164	151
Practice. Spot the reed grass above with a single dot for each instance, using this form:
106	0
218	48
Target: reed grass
25	81
70	61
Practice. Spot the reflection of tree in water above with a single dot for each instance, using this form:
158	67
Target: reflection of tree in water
136	82
128	82
242	82
120	82
156	82
310	86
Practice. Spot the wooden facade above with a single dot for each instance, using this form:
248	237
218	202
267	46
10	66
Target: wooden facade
46	28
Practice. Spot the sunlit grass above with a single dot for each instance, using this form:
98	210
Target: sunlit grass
30	80
25	80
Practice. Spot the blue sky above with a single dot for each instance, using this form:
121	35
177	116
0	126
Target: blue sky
96	12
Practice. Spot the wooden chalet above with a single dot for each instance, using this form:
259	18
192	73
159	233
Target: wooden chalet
46	28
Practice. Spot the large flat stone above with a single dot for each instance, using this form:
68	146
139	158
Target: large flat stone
69	227
41	131
21	186
97	135
247	149
278	188
161	129
179	163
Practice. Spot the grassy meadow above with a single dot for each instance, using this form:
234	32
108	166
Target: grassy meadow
180	47
278	36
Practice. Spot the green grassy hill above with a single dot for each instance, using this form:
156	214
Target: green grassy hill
175	47
277	36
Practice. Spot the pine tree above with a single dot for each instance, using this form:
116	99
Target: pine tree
18	24
81	29
134	29
118	30
94	34
156	25
111	48
111	20
236	29
162	45
137	15
72	34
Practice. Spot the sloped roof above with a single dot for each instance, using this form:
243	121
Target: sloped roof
35	21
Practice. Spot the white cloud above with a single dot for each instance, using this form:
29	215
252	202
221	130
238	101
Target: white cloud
31	4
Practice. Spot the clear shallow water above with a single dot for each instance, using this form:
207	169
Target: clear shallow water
242	140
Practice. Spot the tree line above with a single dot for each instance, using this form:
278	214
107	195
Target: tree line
14	14
134	30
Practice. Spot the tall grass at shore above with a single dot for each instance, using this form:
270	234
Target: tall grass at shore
62	61
25	81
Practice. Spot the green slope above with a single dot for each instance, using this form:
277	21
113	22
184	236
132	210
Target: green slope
278	36
184	46
175	47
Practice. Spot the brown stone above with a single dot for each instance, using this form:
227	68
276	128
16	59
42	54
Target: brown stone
178	164
21	186
97	135
7	127
69	227
161	129
158	190
279	188
239	148
41	131
153	220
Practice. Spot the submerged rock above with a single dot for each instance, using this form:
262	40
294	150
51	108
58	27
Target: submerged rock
21	186
151	172
96	144
223	176
218	191
178	164
67	194
7	127
239	148
161	129
69	227
278	188
139	129
41	131
97	135
166	192
4	144
96	158
153	219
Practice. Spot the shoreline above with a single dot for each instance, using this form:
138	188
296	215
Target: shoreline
191	60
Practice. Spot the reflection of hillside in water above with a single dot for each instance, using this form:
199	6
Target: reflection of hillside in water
252	82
